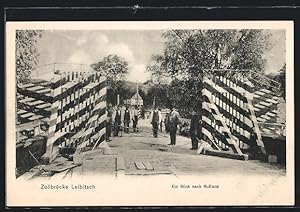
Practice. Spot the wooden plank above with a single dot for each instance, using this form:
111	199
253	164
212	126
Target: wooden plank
26	85
139	165
267	104
28	125
259	106
28	175
35	88
23	137
69	85
91	85
35	102
21	112
26	115
259	93
26	100
148	165
272	101
35	117
225	154
19	96
120	164
43	106
45	90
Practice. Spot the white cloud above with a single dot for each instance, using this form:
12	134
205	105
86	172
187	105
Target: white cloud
137	73
90	47
121	50
100	39
276	56
80	57
81	41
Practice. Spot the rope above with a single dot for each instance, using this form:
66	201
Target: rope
36	160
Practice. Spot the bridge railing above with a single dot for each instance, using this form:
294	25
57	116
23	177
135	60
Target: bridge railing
255	77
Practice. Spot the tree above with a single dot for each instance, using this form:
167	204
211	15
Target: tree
114	68
27	54
188	53
281	78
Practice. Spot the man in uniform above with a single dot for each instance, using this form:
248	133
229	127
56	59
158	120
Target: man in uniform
161	121
174	121
108	123
126	120
135	118
167	122
155	120
195	128
117	121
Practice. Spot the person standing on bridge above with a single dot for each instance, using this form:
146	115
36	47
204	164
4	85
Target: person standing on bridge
161	121
126	120
174	122
155	118
108	123
135	118
117	121
195	128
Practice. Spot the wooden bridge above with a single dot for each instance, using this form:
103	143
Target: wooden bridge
236	103
70	105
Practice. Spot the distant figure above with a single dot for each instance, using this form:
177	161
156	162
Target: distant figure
143	113
108	123
195	129
155	118
126	120
253	137
135	118
255	151
174	121
117	121
161	121
167	122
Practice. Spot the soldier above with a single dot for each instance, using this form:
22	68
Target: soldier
135	118
108	123
126	120
174	121
167	122
161	121
255	150
155	118
195	128
117	121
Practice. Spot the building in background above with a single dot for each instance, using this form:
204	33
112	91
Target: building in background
135	100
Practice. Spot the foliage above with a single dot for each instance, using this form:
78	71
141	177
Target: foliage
26	52
188	53
281	78
114	68
159	92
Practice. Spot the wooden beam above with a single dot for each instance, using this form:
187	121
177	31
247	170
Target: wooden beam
148	165
139	165
225	154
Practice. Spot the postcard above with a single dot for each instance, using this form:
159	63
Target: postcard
157	113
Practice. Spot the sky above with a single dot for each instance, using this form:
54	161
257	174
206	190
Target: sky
87	47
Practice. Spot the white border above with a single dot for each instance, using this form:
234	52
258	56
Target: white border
149	192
